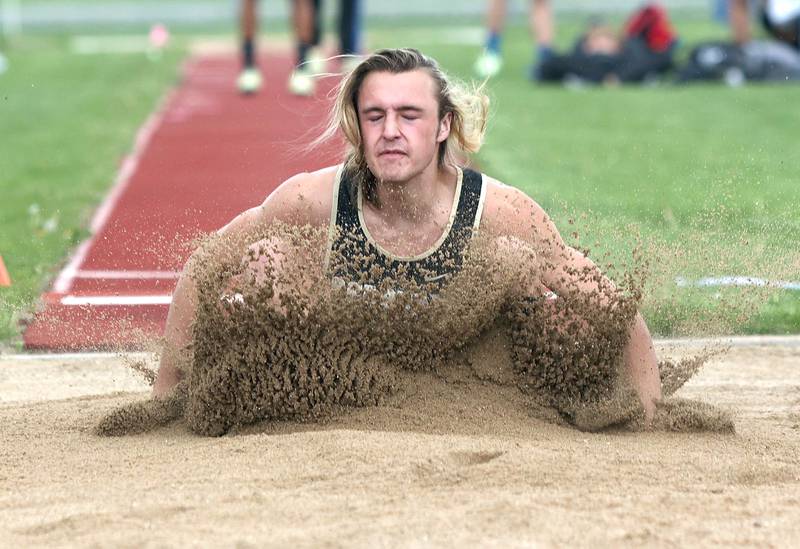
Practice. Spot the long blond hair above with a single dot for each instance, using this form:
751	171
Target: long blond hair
469	108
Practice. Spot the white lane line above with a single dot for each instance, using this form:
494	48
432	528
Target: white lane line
63	282
82	300
127	275
74	356
741	281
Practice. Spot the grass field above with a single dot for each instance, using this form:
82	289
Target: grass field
66	121
705	174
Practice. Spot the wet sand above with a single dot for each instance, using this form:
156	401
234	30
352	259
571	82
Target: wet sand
450	460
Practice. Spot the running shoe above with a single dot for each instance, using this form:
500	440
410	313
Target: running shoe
488	64
301	82
249	81
316	61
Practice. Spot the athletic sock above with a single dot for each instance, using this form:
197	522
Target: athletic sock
302	53
543	53
493	42
248	53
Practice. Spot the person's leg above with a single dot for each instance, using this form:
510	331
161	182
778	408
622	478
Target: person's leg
249	22
490	61
349	27
301	81
739	19
303	20
316	58
249	80
542	27
316	36
495	21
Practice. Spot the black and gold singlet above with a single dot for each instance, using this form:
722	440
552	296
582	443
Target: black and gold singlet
355	257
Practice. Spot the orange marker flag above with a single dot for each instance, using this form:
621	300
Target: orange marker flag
5	280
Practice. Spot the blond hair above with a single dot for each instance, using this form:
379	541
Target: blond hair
469	109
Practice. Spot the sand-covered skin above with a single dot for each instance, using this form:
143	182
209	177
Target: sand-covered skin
454	461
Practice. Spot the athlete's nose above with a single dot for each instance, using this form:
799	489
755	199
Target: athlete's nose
390	127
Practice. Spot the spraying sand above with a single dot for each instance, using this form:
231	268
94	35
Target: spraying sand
274	339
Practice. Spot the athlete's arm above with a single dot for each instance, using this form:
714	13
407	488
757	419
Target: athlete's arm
301	200
565	270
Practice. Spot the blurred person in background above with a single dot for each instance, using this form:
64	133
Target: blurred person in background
780	18
776	59
310	59
306	17
641	51
250	79
542	28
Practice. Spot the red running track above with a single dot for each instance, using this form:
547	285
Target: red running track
205	156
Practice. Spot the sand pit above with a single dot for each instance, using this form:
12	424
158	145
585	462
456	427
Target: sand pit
451	460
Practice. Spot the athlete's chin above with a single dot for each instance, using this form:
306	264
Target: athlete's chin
392	172
393	177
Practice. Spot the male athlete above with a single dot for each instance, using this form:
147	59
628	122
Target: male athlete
402	190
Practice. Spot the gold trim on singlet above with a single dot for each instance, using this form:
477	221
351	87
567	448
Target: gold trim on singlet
481	201
437	244
337	181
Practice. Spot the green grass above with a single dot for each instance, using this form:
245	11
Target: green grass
705	175
66	121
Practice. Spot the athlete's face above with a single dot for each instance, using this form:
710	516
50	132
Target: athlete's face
399	119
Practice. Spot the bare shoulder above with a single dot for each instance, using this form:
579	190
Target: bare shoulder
509	211
303	199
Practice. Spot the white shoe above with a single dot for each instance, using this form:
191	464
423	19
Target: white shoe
301	82
249	81
488	64
316	62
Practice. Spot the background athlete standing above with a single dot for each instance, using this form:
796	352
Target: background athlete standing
310	60
306	22
542	29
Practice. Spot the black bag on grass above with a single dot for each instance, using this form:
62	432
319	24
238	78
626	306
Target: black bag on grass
758	61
